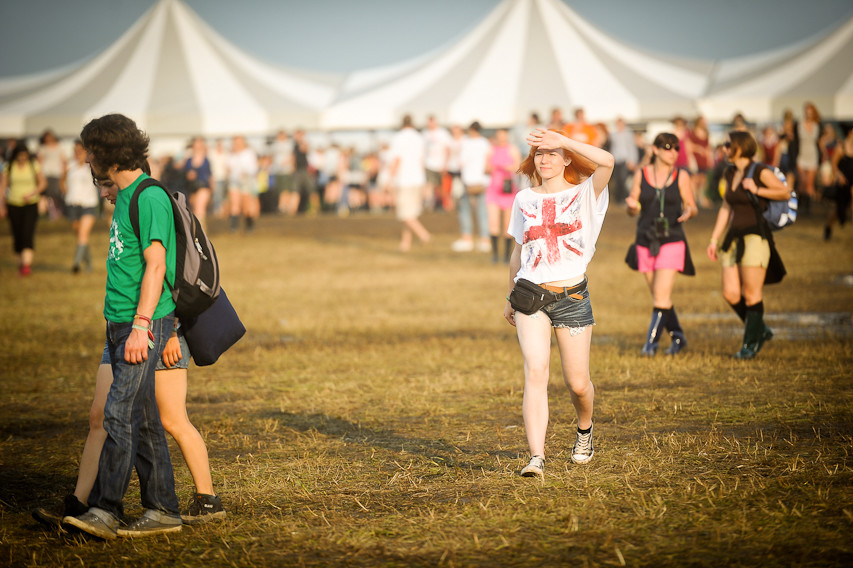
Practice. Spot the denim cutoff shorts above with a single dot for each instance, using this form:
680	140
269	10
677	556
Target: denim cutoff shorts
184	363
571	313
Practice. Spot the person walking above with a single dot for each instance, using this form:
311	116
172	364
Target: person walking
199	179
139	310
51	158
663	197
21	186
474	151
242	185
555	224
747	253
81	203
503	161
408	172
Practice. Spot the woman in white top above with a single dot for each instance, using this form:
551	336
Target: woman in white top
555	224
81	201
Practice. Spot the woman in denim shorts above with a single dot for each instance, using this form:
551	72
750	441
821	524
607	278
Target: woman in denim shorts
748	254
555	225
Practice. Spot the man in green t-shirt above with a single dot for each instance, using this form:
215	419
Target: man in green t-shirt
140	317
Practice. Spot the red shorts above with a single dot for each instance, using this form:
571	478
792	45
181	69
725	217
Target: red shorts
671	256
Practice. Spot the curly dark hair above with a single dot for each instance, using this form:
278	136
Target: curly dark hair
115	140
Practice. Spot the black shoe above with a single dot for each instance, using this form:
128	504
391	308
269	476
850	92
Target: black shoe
72	508
204	508
827	233
679	342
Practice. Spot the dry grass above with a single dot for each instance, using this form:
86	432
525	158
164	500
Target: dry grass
372	414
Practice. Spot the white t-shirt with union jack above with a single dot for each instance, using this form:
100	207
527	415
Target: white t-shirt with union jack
557	231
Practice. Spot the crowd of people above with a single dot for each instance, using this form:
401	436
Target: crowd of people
545	202
461	168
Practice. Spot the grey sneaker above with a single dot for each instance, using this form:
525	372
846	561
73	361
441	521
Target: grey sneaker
150	523
583	450
52	518
204	508
96	522
536	467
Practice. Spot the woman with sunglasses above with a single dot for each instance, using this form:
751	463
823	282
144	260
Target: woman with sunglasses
663	197
747	253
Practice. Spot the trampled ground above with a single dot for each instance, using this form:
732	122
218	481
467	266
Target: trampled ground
372	414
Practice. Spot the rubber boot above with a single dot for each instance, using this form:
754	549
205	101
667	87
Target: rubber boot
79	254
494	249
250	224
753	332
741	309
234	223
675	332
509	245
87	258
654	333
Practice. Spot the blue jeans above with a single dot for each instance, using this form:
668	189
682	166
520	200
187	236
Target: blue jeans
464	210
135	436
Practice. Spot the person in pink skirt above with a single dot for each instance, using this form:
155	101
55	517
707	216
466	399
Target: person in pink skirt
503	163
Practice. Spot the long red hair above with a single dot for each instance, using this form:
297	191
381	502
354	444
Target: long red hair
578	169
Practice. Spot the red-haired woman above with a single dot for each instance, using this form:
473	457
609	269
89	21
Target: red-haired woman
747	254
662	195
555	224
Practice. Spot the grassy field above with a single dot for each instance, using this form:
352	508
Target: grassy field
372	414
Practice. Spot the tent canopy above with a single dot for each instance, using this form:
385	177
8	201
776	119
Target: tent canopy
525	56
175	76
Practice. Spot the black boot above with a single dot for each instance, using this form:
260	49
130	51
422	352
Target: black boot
654	333
754	333
509	244
494	249
78	258
740	309
233	223
675	332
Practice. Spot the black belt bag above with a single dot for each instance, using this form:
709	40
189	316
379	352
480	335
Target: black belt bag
528	298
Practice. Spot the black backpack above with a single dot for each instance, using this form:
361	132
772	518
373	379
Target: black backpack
196	266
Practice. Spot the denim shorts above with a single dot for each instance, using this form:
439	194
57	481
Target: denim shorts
571	313
184	363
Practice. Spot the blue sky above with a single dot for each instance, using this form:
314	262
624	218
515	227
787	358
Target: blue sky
343	35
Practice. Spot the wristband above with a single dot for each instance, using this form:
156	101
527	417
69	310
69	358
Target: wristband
507	298
146	318
714	242
150	334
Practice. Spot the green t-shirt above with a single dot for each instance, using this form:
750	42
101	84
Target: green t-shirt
126	263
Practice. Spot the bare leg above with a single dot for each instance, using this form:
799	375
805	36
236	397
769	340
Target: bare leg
574	356
534	337
171	391
95	440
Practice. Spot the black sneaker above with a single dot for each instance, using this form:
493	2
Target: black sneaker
53	518
204	508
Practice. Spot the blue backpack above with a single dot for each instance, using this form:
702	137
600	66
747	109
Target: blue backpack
779	213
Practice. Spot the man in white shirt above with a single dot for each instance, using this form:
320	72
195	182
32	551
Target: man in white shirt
407	172
625	153
437	141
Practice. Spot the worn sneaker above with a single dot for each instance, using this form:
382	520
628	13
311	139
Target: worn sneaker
204	508
462	245
96	522
583	450
52	518
536	467
151	522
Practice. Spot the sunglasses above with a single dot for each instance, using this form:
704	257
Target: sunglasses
102	182
669	146
727	144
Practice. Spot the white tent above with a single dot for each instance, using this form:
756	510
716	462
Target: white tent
526	55
175	76
762	86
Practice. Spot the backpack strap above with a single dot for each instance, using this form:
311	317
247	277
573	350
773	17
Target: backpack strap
134	202
133	211
762	222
